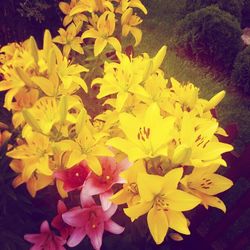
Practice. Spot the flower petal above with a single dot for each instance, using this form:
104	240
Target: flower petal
138	210
113	227
76	237
158	224
177	221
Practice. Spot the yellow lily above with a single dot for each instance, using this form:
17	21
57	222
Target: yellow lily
145	136
103	34
34	183
87	145
126	78
204	184
199	135
125	4
37	150
129	193
66	9
69	39
129	23
163	202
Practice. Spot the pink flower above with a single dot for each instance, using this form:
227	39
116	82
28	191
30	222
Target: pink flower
46	240
58	223
246	36
102	184
74	177
90	220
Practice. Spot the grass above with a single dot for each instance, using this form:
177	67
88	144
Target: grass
158	30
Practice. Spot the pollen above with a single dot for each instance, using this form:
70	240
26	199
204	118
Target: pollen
143	133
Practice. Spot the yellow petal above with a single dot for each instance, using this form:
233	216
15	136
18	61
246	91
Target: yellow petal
94	164
213	201
60	189
92	33
181	154
215	100
114	42
159	57
177	221
158	224
31	186
212	184
64	7
137	34
138	210
44	84
74	158
149	186
30	119
100	44
121	197
181	201
172	179
121	100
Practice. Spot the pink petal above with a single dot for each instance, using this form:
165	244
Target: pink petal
124	164
34	238
104	198
61	207
61	175
75	217
110	212
92	187
86	200
95	236
44	228
76	237
113	227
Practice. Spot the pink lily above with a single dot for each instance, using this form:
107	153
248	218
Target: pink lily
73	178
90	220
58	223
102	184
46	240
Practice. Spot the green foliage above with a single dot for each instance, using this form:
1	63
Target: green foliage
245	22
234	7
33	9
209	36
241	70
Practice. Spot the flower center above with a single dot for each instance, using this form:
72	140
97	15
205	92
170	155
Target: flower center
132	188
161	203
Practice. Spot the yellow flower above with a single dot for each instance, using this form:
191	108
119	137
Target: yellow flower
127	77
34	183
145	136
69	39
163	202
88	145
36	150
204	184
125	4
199	135
103	34
129	193
129	21
66	9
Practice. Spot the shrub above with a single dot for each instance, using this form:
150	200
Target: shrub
245	22
241	70
234	7
210	36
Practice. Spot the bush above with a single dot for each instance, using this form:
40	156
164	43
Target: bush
241	70
210	36
245	22
234	7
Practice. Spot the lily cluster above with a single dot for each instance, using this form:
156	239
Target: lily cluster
97	20
155	148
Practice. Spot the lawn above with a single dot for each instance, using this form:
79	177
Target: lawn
158	29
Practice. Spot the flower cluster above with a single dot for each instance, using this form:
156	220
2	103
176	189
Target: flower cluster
156	142
97	19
